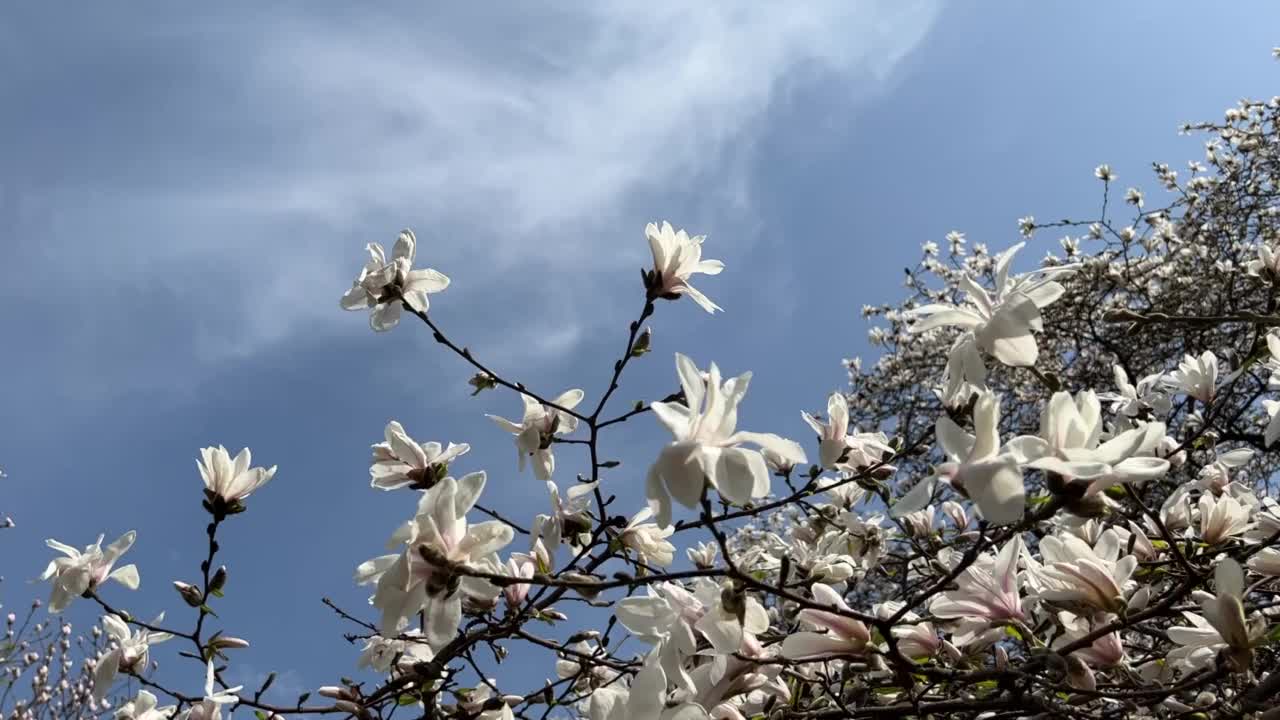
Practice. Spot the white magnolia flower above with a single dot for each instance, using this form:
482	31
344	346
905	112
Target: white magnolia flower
676	258
80	572
1104	652
569	520
836	447
1216	476
130	653
1221	518
988	593
1272	433
143	707
229	480
422	577
1134	400
1081	578
1196	376
706	447
381	654
917	639
1266	562
537	429
730	616
1070	445
965	373
382	284
210	708
1223	625
400	461
841	635
1267	264
975	466
648	540
1002	323
646	699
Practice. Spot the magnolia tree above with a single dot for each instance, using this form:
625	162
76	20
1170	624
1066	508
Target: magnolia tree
1050	497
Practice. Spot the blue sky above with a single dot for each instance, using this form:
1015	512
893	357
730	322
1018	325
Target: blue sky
184	195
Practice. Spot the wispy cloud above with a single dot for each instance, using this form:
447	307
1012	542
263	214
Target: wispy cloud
248	156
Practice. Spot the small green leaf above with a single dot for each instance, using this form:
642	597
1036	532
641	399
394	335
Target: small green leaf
406	700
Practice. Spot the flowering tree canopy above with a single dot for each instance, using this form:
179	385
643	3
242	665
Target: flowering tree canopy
1052	495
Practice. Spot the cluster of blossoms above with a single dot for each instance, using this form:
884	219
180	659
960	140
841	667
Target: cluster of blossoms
1000	522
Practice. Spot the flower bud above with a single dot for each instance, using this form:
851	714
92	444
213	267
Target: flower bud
1079	675
219	580
191	594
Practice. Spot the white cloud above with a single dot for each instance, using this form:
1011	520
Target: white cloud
525	141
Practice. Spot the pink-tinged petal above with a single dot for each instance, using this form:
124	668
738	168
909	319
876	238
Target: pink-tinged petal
1005	571
809	645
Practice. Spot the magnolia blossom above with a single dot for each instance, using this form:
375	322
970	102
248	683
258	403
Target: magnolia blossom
646	699
144	707
1135	400
1082	578
519	565
423	576
382	284
1070	446
1267	264
1104	652
130	654
648	540
975	466
917	639
400	461
569	520
837	447
1001	323
706	447
210	708
965	373
676	258
988	593
537	430
382	654
231	481
1196	376
1223	626
80	572
1266	562
1216	476
730	616
1221	518
843	635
